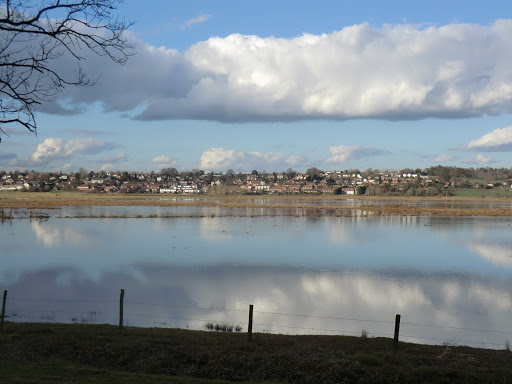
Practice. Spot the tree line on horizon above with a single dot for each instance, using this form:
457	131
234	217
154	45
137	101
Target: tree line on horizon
443	173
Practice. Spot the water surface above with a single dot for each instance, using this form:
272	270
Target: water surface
449	278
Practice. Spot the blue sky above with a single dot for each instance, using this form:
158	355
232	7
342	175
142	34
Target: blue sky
272	85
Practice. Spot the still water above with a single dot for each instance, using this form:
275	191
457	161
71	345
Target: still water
450	279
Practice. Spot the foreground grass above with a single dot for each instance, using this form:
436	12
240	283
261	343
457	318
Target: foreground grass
65	372
268	205
47	353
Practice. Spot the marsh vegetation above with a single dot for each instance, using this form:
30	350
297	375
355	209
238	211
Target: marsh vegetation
324	205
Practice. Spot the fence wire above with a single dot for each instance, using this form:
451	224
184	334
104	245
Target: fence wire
93	315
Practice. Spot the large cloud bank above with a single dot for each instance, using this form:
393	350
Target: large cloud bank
394	72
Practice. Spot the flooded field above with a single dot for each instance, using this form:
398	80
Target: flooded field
450	278
26	205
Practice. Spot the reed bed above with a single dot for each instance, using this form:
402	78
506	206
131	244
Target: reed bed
272	205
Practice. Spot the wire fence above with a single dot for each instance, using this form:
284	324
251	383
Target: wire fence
147	314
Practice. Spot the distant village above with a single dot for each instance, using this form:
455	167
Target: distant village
430	182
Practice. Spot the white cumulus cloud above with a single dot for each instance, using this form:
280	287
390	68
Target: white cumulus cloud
479	159
66	167
392	72
162	159
57	148
499	140
444	158
216	159
342	153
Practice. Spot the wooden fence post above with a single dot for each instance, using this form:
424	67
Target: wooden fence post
121	302
2	315
249	329
397	331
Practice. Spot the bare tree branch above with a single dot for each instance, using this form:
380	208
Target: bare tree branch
34	34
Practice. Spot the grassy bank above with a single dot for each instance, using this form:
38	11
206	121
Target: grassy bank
331	205
66	372
40	353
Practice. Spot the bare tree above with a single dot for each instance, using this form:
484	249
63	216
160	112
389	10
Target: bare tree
36	34
314	173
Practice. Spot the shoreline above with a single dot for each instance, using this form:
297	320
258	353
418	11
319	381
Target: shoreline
299	205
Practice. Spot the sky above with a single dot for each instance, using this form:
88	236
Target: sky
273	85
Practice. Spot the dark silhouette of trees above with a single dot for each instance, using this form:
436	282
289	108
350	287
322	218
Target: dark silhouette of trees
313	173
170	172
290	173
487	174
36	34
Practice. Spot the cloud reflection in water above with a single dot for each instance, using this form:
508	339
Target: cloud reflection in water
315	272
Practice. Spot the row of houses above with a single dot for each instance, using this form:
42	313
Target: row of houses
19	186
199	182
141	187
264	183
254	186
291	187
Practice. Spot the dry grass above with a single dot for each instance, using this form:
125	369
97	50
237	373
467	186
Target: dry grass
272	205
